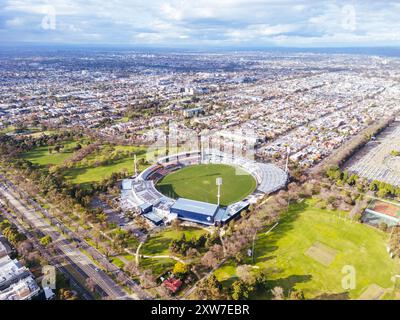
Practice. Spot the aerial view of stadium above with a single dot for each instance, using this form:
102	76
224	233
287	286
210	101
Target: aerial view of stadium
203	159
193	176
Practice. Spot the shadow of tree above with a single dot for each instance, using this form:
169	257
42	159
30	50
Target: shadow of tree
156	245
287	284
333	296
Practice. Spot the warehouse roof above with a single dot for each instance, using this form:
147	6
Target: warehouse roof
198	207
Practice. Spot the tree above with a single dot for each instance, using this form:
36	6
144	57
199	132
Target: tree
131	268
176	225
209	288
96	235
240	290
395	241
192	252
180	269
65	294
147	279
45	241
90	284
296	295
246	274
278	293
102	218
213	256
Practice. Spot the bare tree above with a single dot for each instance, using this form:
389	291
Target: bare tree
278	293
132	268
90	284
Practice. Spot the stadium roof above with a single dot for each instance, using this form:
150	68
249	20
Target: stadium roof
127	184
225	214
198	207
153	217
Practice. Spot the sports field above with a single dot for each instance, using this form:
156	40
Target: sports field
198	183
308	251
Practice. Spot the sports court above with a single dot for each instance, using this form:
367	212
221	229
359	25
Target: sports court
373	292
321	253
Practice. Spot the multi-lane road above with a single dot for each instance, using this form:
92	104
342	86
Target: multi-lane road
75	258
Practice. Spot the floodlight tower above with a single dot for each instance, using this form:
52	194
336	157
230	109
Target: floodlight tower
219	184
287	159
135	165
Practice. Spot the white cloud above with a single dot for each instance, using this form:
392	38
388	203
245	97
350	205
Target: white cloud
15	22
202	22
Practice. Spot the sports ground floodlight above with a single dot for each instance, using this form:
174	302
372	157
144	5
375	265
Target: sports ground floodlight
218	182
287	159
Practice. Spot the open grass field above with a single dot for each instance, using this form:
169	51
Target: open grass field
285	255
158	266
41	155
198	183
88	171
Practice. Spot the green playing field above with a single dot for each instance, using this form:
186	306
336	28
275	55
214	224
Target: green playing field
199	183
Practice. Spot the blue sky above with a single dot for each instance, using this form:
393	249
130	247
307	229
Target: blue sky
201	23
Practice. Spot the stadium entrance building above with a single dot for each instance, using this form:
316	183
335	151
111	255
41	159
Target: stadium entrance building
195	211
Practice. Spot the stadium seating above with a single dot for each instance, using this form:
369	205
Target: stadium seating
269	177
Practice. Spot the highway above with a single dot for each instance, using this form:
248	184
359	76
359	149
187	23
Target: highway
71	253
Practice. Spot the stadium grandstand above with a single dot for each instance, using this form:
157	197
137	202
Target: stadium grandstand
141	194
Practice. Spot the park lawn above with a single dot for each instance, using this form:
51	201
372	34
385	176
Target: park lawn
118	262
38	133
199	183
42	157
282	254
8	129
132	243
158	244
129	257
86	174
157	266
